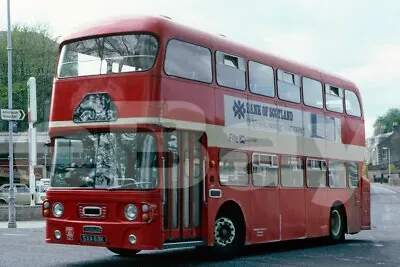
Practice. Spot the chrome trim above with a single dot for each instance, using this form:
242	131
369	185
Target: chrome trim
163	176
215	190
92	229
92	215
204	180
184	244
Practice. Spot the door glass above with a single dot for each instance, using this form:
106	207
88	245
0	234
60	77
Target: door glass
186	179
172	146
197	172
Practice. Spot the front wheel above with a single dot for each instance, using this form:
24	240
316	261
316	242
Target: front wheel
337	225
228	237
124	252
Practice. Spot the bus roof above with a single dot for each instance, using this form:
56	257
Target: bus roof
166	27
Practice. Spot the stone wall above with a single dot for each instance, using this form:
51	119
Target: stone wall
23	213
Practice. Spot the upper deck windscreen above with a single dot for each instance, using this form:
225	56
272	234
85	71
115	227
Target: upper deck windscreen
107	55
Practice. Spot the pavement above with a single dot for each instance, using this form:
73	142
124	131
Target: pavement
387	186
25	224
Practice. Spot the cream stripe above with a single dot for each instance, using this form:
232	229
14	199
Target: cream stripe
218	136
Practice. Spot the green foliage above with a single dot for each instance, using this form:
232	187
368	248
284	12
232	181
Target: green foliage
34	54
384	124
365	170
392	168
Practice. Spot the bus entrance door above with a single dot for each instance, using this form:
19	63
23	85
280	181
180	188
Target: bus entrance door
183	186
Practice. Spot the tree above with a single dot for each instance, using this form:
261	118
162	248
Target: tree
365	170
384	124
34	54
392	168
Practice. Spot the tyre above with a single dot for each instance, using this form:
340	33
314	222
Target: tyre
2	202
229	236
124	252
337	225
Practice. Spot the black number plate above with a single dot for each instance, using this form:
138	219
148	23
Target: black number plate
93	238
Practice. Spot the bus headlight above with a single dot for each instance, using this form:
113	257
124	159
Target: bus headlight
131	212
58	209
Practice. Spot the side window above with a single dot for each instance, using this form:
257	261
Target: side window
5	189
312	93
337	174
353	106
188	61
316	173
233	168
265	170
231	71
288	86
292	171
334	98
353	174
261	79
22	189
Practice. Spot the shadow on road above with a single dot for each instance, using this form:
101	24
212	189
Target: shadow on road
194	257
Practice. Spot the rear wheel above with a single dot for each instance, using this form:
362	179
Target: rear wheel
337	225
2	202
228	236
124	252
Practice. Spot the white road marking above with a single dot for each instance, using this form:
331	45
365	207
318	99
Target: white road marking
385	189
16	234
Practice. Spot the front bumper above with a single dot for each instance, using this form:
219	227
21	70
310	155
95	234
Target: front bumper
115	234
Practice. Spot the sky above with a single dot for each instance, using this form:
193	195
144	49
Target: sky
357	39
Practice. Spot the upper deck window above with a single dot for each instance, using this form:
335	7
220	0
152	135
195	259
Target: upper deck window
261	79
107	55
188	61
352	104
231	71
334	98
312	93
288	86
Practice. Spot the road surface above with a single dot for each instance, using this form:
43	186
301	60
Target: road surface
380	246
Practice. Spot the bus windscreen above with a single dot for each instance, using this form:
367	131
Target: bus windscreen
108	55
105	161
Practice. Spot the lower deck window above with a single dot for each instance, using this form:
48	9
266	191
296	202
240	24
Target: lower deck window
337	174
233	168
265	170
316	173
292	171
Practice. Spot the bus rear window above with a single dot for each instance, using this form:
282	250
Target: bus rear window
107	55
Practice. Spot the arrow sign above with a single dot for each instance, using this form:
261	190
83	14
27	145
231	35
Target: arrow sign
12	114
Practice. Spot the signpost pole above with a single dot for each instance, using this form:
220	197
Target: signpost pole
32	118
11	209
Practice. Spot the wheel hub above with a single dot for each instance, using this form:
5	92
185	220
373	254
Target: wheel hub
335	223
224	232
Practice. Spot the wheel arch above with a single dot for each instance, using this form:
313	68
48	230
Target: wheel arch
338	204
233	208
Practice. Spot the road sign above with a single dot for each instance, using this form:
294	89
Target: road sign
12	114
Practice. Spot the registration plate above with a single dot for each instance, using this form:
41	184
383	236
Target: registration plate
93	238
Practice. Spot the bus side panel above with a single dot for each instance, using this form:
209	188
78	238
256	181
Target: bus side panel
293	213
317	212
353	210
365	204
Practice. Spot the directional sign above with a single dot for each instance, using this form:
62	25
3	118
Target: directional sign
12	114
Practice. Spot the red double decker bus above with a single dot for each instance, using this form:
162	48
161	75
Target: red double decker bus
164	136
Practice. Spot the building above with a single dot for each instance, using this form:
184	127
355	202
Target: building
382	150
21	157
